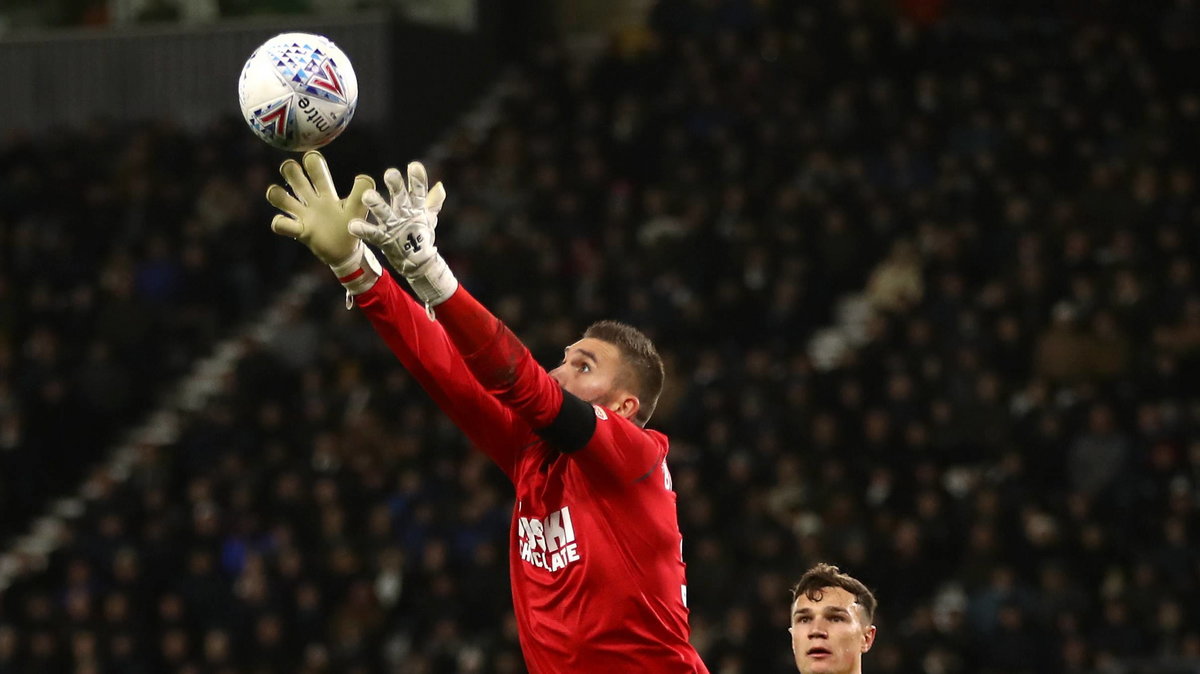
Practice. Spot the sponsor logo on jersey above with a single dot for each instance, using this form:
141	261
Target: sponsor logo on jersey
600	413
548	543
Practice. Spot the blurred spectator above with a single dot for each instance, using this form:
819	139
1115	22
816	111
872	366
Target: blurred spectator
1098	455
1062	350
896	285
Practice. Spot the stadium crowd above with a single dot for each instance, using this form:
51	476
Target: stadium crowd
1010	461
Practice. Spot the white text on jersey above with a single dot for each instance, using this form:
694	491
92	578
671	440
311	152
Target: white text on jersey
548	543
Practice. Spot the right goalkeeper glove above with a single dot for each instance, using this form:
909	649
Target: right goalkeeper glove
319	220
405	233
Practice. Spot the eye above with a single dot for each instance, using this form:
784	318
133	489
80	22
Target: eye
584	367
804	619
836	618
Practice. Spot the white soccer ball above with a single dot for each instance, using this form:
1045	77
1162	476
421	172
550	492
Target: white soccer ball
298	91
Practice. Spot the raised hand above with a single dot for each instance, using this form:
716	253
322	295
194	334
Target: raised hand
404	230
316	216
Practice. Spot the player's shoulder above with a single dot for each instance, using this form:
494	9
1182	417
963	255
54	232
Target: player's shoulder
628	425
659	437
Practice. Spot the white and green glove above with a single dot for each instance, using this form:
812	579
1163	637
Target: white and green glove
404	231
318	219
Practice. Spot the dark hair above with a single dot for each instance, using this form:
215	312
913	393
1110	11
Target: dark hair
643	370
824	575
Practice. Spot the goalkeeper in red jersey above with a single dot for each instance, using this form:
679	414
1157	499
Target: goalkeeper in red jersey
595	554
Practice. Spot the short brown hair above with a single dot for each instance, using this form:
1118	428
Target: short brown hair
824	575
643	371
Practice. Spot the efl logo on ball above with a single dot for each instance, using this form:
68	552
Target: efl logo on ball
298	91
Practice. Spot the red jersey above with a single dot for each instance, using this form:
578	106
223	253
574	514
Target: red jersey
595	555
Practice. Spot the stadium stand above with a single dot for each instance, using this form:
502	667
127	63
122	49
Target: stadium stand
1010	459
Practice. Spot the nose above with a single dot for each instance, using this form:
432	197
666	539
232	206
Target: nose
557	375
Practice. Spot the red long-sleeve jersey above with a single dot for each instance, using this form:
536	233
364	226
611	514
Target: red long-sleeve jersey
595	556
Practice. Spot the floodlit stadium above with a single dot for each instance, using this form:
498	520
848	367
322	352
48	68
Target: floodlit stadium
922	273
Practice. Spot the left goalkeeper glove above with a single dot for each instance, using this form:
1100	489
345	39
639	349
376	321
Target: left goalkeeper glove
318	219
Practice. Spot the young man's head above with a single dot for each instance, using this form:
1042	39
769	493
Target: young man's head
616	367
833	619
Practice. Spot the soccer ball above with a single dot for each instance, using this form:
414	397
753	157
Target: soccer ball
297	91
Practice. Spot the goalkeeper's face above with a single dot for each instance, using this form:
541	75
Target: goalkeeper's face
591	370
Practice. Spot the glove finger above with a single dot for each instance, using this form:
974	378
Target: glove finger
418	182
318	174
362	183
378	207
433	201
366	231
285	226
294	175
396	188
283	200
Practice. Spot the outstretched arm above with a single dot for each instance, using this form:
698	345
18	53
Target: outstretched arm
496	357
426	351
404	231
318	218
602	441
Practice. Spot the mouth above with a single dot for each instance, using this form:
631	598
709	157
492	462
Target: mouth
818	652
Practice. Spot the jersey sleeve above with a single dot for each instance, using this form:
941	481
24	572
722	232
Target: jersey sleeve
426	351
501	364
605	443
622	450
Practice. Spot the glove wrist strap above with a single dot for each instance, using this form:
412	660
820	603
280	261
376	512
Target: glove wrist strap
433	282
357	273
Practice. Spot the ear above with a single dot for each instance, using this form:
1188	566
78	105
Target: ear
792	633
868	638
625	404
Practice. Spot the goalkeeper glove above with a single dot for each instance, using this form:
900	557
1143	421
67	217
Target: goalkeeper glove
318	219
404	231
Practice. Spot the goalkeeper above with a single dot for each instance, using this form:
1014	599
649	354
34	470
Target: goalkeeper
595	554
